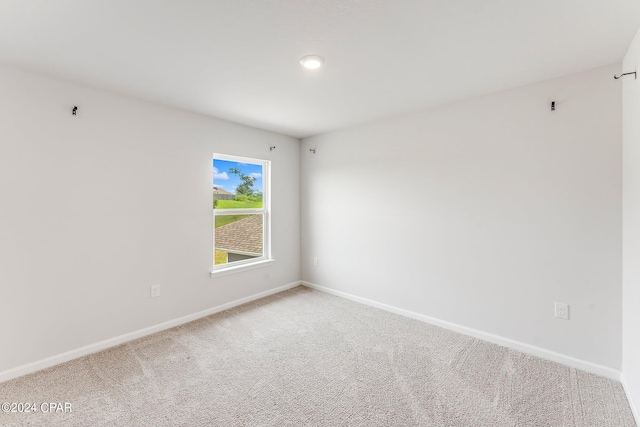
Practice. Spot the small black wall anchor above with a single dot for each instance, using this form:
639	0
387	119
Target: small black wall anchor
272	147
74	111
626	74
553	105
313	150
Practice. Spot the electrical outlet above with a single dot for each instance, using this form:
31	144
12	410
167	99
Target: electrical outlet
315	260
155	291
562	310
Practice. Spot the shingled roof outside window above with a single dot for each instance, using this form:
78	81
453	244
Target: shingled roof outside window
241	237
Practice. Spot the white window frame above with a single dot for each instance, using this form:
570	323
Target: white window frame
265	211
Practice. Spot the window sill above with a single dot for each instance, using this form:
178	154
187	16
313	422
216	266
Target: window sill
239	268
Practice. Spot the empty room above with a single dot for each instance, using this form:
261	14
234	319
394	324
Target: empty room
320	213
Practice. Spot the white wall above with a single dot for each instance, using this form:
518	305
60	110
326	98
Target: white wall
631	227
96	208
481	213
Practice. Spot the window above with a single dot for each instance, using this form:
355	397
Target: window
241	217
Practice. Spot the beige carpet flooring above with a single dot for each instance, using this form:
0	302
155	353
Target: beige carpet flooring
305	358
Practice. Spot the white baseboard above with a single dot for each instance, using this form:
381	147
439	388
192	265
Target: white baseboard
627	391
111	342
506	342
496	339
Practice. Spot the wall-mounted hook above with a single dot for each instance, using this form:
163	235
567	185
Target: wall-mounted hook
635	76
553	105
272	147
74	111
313	150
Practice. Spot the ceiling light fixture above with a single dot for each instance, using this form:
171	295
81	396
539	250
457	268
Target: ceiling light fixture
312	62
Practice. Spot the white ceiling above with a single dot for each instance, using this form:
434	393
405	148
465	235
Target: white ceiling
238	59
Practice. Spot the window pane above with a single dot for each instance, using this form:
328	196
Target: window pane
237	185
238	238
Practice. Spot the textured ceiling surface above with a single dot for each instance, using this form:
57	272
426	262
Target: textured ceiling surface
238	60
